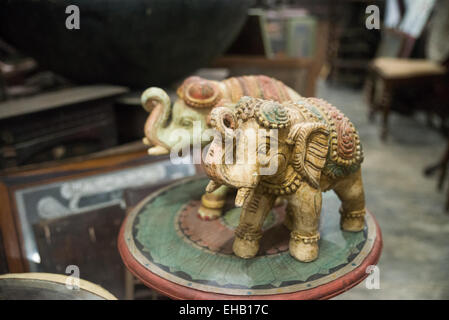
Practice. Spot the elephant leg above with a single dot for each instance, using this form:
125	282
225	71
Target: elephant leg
280	201
352	210
212	204
305	209
289	218
249	230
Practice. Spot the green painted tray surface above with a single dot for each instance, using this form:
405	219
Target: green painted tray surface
162	249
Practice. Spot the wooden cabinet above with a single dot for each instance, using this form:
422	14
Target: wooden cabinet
58	125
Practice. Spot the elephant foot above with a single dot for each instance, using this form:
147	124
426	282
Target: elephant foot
211	207
353	221
205	213
245	248
304	248
157	151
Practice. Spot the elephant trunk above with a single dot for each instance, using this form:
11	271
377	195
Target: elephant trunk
224	120
157	100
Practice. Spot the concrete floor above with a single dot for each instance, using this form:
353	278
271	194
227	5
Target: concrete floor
415	257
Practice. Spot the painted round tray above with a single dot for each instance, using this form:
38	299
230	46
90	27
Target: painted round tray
166	246
48	286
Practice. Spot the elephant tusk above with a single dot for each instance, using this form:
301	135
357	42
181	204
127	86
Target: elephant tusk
212	186
157	150
242	195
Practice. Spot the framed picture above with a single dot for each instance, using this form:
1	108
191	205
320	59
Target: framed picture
301	35
70	214
273	24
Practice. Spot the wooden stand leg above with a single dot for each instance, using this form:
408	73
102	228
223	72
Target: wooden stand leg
443	173
442	165
385	106
129	285
369	93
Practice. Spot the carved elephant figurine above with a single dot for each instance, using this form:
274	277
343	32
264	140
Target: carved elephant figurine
196	98
315	149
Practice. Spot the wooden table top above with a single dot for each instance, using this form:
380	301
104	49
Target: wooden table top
164	244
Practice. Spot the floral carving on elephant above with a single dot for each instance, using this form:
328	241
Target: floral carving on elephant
196	98
316	149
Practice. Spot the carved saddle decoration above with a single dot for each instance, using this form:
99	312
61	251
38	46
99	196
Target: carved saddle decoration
201	93
345	153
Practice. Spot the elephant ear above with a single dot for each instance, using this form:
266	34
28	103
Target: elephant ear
311	142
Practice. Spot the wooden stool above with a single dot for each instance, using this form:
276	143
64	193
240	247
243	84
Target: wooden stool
166	246
441	165
388	74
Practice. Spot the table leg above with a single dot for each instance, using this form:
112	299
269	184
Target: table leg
442	164
129	285
385	106
369	94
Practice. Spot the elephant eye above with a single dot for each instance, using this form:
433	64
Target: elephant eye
186	122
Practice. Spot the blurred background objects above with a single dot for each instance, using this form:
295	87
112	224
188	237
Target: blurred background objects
72	162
